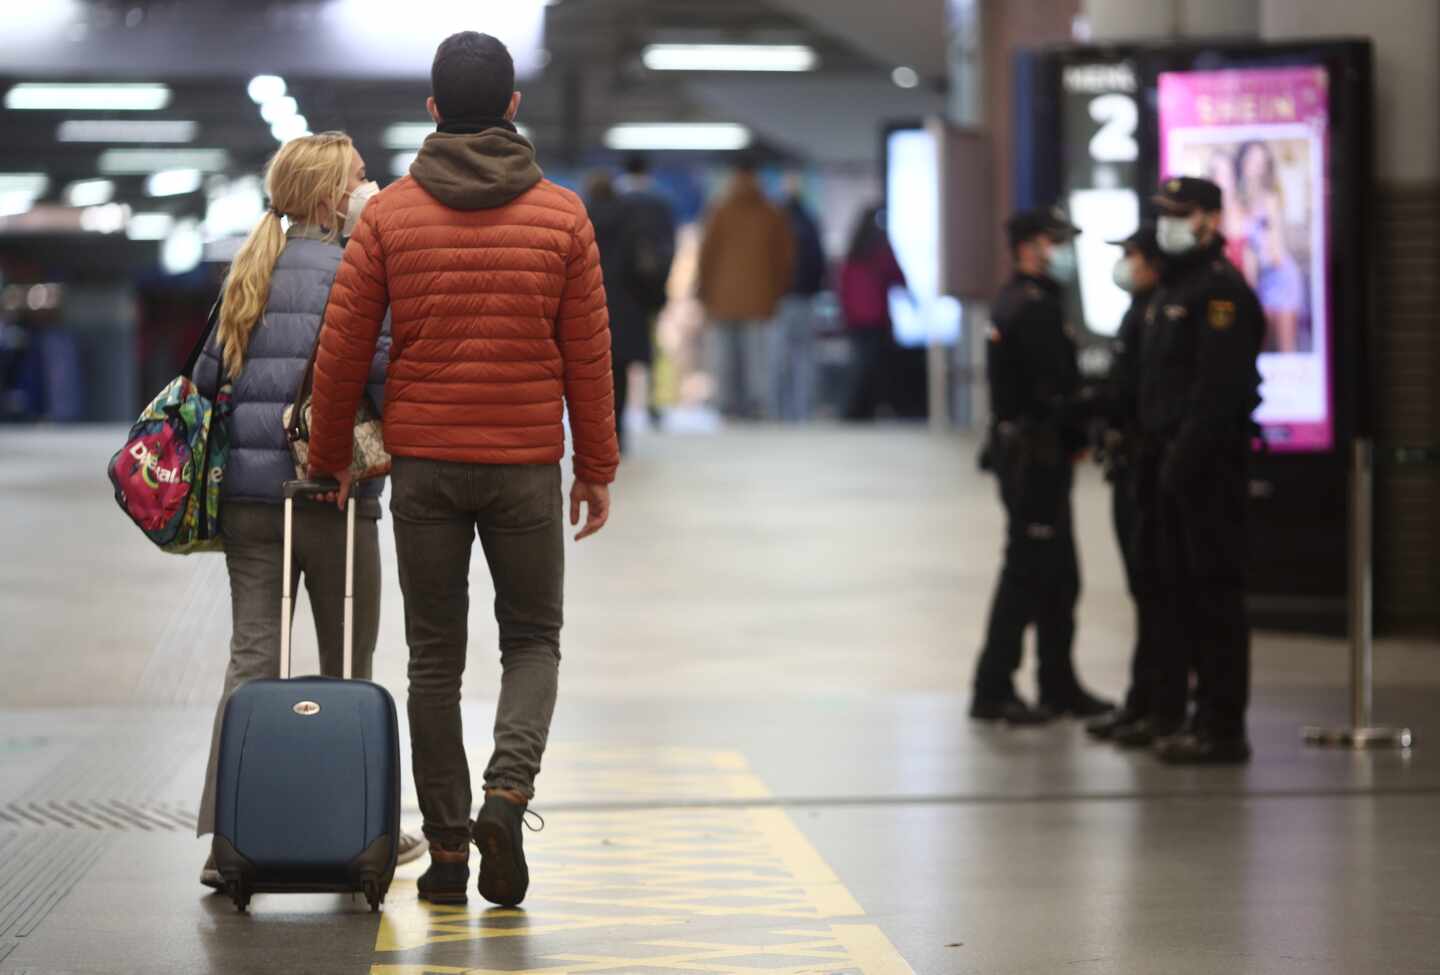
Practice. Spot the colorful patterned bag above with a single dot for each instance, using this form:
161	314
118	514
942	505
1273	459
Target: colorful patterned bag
168	475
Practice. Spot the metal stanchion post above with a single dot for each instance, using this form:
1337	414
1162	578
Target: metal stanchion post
1361	733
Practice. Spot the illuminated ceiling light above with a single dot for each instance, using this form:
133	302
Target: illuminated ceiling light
659	136
34	184
13	203
265	88
729	57
120	162
183	250
412	135
109	219
19	191
279	109
126	130
90	193
149	226
290	128
407	135
86	97
400	164
174	182
905	77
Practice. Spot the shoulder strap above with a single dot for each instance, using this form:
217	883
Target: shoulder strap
296	429
195	353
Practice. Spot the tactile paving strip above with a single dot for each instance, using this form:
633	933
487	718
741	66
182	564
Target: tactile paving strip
40	869
98	815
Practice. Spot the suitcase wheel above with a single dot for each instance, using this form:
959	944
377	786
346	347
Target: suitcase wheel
238	890
373	895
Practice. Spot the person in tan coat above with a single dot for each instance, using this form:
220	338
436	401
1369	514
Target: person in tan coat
746	267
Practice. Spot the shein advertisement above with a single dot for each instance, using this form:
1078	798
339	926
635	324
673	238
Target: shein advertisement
1263	135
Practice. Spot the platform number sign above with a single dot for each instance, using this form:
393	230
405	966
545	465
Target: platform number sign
1100	159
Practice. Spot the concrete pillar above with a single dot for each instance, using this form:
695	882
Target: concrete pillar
982	40
1406	35
1404	345
1111	20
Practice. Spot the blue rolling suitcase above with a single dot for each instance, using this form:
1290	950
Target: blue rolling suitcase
308	782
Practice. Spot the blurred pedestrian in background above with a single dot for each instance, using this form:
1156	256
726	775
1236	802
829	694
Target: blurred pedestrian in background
794	354
869	272
635	230
1036	434
1138	273
746	267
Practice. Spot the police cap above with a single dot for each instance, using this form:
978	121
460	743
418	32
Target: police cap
1186	194
1142	240
1028	224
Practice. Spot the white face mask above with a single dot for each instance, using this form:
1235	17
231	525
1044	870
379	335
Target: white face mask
358	198
1060	265
1124	275
1175	235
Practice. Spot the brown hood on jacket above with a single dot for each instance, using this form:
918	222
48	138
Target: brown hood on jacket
476	172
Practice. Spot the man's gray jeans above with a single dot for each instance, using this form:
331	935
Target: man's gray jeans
517	511
254	556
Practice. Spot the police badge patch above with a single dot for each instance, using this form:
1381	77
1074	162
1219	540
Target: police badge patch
1221	314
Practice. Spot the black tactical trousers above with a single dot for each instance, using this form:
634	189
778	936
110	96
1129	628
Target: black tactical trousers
1192	551
1039	582
1125	512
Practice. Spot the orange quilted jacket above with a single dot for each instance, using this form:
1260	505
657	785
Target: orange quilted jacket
498	316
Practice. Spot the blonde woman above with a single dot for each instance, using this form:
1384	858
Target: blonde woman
270	313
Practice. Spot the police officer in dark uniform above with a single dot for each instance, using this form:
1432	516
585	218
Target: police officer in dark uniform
1137	272
1199	384
1035	434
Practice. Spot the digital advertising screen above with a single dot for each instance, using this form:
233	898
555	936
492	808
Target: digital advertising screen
923	314
1263	135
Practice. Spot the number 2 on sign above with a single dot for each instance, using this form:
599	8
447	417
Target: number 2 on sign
1115	142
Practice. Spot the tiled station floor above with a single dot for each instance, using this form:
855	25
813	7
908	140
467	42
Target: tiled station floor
761	760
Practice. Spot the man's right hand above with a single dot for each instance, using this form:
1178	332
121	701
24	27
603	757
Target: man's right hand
596	498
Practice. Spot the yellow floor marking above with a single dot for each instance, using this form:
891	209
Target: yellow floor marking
728	891
869	949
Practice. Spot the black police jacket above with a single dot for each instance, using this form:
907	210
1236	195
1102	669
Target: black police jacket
1121	407
1199	381
1034	376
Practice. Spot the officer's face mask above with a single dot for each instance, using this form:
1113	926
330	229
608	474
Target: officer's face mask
1175	235
1060	263
1124	275
358	198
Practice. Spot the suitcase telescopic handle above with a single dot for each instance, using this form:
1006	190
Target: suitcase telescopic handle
293	490
304	489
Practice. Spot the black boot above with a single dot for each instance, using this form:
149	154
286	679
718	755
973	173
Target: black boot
1203	749
448	878
1081	704
1144	733
1104	728
504	875
1012	711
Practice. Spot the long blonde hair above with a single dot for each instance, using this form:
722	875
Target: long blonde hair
305	178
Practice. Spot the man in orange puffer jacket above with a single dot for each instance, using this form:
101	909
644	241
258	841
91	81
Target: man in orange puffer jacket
498	321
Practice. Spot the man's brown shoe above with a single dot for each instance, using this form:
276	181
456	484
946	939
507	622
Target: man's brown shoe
448	878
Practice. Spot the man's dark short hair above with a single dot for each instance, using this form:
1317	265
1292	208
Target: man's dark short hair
637	165
472	77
